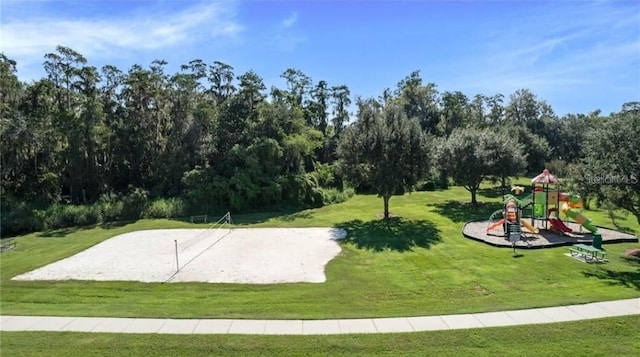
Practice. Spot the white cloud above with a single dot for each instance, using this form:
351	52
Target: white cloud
290	21
28	39
560	52
286	36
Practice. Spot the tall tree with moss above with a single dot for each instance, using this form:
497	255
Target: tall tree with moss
384	150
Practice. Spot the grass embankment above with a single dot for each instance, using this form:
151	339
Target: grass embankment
602	337
422	265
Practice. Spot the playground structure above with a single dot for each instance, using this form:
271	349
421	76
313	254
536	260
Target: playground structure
545	200
546	216
511	220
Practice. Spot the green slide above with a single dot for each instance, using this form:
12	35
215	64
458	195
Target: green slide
582	220
524	201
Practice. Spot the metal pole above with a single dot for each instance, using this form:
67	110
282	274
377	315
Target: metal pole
533	207
177	264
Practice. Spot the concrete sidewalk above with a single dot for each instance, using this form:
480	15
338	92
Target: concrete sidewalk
322	327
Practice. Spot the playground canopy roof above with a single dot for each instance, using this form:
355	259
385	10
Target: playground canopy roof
545	177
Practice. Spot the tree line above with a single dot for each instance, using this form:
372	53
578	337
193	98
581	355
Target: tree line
214	140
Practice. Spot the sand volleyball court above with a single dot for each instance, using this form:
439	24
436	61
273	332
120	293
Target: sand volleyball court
221	255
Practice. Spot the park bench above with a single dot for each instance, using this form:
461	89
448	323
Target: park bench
202	218
587	253
6	244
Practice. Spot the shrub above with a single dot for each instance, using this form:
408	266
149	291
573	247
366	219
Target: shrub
426	185
62	216
87	215
165	208
18	217
110	210
324	175
134	203
205	191
333	195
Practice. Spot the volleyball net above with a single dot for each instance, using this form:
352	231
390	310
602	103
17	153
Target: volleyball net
190	249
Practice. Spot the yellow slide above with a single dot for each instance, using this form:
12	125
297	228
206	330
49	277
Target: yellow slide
529	226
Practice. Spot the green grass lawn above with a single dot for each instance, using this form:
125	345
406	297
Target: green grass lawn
603	337
421	265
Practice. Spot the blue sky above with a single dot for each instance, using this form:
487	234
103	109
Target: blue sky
577	55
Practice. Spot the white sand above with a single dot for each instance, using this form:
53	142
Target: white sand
244	255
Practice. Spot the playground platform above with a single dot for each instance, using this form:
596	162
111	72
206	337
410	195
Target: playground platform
477	230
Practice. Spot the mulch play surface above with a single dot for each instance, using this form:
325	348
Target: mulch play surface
477	230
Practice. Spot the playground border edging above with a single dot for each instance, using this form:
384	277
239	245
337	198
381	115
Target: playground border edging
551	245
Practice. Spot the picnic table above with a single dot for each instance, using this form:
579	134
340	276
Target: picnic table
588	253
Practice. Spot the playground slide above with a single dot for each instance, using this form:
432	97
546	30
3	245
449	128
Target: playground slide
495	225
495	214
582	220
557	224
528	226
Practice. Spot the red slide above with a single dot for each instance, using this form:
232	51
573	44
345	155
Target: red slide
557	224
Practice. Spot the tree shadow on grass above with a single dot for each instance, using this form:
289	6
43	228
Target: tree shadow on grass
243	219
630	279
624	229
294	216
493	192
464	212
397	234
62	232
116	224
285	215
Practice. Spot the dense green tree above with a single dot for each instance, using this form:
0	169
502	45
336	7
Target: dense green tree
79	121
537	149
14	134
478	110
80	135
455	112
510	157
496	110
251	89
471	155
384	150
612	160
572	135
93	134
41	144
522	107
419	101
10	87
539	129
